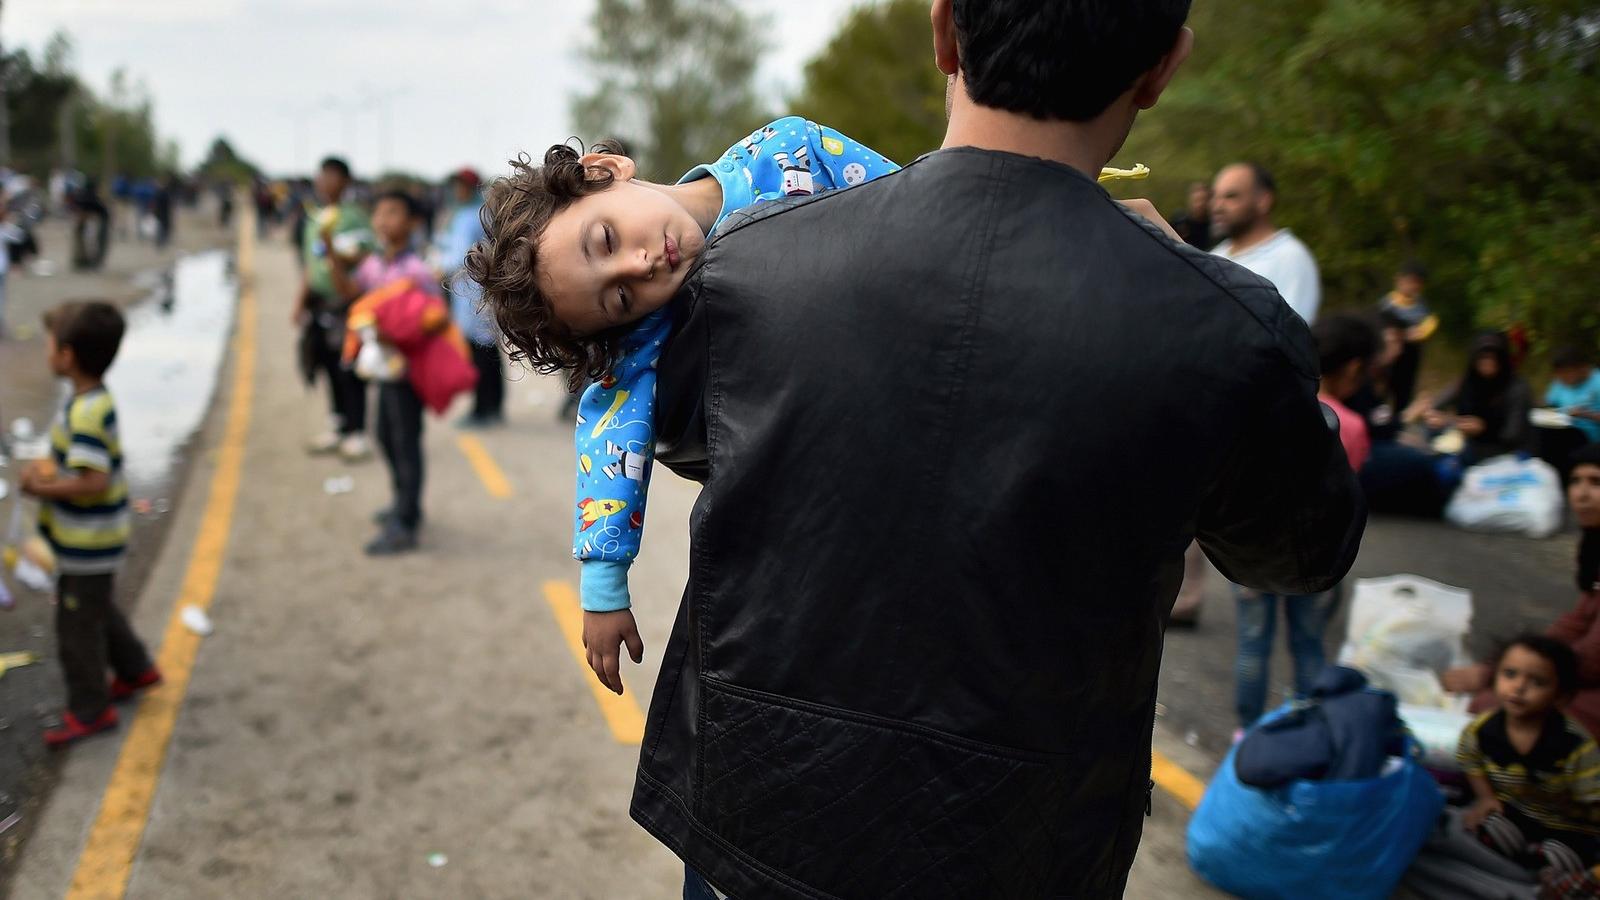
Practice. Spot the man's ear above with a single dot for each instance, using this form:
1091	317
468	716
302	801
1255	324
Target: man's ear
622	168
946	49
1155	81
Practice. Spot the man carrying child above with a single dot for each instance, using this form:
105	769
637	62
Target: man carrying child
950	469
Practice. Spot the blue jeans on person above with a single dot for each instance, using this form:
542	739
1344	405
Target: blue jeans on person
697	888
1258	619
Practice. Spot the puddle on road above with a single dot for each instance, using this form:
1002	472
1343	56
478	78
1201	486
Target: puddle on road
167	368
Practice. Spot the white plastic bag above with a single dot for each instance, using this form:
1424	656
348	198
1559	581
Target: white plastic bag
1506	494
1404	632
1438	732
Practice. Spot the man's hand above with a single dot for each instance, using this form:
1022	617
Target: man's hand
1471	426
1481	810
1148	210
1437	420
603	633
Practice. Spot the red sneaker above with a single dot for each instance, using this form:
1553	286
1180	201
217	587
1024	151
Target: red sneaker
124	690
73	729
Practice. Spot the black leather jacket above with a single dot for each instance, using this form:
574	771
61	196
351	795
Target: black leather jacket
956	428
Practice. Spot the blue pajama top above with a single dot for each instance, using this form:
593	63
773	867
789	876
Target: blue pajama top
791	157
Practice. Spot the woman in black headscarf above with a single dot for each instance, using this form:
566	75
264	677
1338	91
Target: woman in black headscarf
1490	403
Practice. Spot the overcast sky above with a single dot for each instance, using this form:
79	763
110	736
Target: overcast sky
468	81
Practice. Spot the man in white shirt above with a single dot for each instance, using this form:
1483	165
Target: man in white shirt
1242	201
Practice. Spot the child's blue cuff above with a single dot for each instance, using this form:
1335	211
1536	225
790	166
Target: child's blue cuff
603	585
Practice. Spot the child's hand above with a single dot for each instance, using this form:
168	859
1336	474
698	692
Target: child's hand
1481	810
33	477
1148	211
603	633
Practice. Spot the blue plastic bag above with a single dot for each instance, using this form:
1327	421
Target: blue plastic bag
1313	839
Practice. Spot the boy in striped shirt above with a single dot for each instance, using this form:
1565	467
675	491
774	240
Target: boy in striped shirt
83	513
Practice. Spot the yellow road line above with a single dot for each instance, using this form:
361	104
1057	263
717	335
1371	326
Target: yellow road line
494	480
622	713
1175	780
107	858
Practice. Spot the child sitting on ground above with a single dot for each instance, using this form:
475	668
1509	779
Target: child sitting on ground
83	513
581	261
1534	771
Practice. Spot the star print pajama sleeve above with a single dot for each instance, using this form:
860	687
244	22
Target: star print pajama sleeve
791	157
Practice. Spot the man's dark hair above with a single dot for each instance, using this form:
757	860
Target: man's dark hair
338	165
1414	268
1342	337
401	196
1061	59
1570	357
1265	180
1561	658
92	329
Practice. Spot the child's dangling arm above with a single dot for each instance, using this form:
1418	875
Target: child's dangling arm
615	440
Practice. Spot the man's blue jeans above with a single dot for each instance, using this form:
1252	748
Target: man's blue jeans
697	888
1258	619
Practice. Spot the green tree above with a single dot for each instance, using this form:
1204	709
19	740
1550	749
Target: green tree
876	81
675	80
1463	134
34	99
223	163
50	107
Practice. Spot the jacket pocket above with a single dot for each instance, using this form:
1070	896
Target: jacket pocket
858	807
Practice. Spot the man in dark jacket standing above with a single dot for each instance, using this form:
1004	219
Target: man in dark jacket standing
949	476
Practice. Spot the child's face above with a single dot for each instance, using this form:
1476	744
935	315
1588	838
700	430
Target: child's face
1525	683
1572	376
616	256
57	357
1408	285
1583	493
391	222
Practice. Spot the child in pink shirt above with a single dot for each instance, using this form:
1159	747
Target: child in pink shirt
394	221
1347	346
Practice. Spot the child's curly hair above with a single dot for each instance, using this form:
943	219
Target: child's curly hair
516	210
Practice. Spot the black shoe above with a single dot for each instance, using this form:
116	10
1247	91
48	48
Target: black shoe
393	540
382	517
476	422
